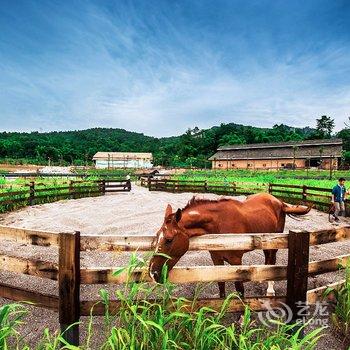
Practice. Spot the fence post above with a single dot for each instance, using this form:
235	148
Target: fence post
297	274
128	183
270	188
304	194
69	285
70	184
103	186
31	192
206	186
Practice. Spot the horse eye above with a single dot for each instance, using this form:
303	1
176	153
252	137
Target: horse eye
168	240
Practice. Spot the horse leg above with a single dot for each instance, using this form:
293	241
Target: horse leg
218	260
236	260
270	259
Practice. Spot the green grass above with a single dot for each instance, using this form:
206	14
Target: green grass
341	314
46	190
292	177
238	182
11	317
163	324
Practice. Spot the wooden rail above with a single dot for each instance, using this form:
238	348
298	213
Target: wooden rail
21	294
26	236
191	274
229	241
293	193
38	193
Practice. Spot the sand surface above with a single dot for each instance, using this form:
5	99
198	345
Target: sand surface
139	212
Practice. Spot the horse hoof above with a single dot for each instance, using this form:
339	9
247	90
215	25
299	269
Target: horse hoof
271	294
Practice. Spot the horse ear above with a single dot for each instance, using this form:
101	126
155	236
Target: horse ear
178	215
168	210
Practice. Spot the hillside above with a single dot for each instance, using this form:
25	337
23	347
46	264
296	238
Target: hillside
191	148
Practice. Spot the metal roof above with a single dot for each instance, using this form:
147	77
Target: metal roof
303	149
122	155
284	144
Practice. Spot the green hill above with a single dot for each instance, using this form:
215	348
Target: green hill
191	148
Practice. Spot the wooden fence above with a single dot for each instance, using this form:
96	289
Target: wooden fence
36	192
53	175
69	274
318	196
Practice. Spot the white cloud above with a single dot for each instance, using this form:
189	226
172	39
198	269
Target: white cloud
118	71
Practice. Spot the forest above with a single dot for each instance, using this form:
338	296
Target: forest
190	149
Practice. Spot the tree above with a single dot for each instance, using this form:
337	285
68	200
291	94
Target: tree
231	139
325	126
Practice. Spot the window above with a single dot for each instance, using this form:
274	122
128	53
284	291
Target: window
264	165
282	164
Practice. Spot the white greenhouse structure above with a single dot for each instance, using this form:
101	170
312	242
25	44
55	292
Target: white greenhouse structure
110	160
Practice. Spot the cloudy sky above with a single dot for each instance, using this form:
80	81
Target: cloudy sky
160	67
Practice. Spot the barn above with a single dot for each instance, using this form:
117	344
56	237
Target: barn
323	154
110	160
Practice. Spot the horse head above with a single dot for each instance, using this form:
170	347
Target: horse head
172	243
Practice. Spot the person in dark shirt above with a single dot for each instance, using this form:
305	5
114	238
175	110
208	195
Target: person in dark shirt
338	198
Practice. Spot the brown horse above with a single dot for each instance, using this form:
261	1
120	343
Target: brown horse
259	213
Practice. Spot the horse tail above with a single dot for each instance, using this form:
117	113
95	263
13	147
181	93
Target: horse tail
295	211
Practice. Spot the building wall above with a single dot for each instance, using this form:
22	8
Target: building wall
130	163
267	163
256	164
326	163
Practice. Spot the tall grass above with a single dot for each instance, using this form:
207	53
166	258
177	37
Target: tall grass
150	317
11	316
341	314
293	177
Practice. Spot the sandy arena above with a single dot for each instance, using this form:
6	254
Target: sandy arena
139	212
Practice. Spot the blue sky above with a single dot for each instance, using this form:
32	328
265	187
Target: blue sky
160	67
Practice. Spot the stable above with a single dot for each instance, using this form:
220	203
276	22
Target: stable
110	160
322	154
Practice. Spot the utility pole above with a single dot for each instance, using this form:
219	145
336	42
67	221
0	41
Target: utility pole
331	167
294	151
321	163
271	161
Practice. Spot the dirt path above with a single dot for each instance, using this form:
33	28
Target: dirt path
139	212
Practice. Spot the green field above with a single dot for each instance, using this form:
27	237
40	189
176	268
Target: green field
315	178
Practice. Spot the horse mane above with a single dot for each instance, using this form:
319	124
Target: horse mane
194	201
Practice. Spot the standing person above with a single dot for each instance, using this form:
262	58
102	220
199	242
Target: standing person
128	182
338	198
